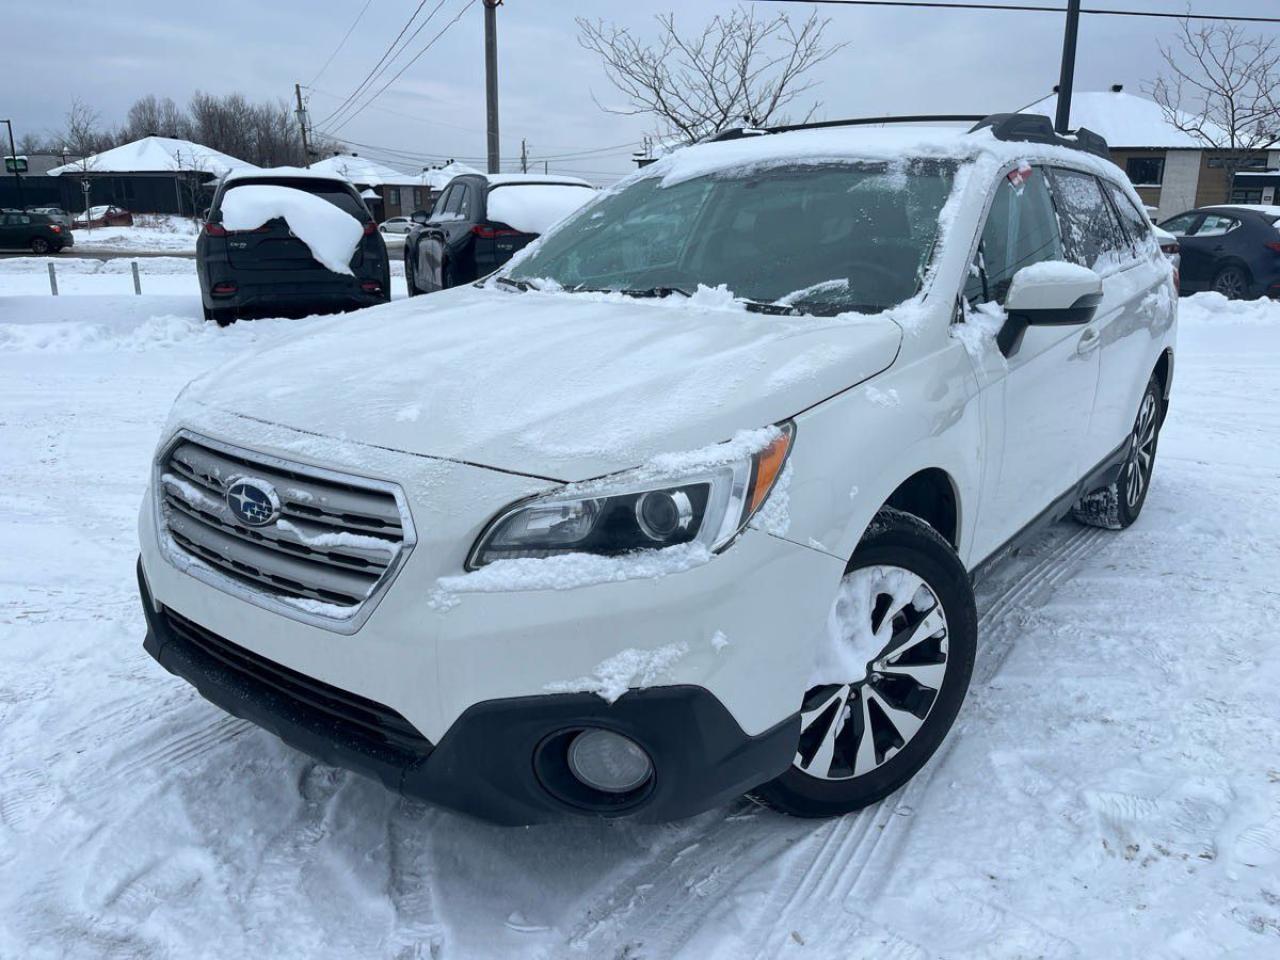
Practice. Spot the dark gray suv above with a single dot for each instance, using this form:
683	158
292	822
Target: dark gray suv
269	271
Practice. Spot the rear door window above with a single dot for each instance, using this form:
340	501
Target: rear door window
1216	225
1021	229
1091	234
1180	225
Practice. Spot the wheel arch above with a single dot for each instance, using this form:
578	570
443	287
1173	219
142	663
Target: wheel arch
930	494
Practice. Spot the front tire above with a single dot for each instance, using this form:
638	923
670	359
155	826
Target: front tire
905	619
1118	504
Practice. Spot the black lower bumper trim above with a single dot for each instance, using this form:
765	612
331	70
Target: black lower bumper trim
484	765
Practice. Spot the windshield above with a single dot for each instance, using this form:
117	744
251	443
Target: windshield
822	238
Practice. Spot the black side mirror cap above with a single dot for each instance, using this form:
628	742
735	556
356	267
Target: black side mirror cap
1009	339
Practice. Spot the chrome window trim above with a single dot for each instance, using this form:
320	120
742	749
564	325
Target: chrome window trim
197	568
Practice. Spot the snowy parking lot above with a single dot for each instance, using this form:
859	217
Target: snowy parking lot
1112	789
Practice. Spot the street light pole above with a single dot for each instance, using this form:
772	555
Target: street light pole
491	78
1068	77
17	177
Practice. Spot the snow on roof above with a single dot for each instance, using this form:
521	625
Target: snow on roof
311	173
1267	209
1123	119
502	179
156	155
364	171
438	177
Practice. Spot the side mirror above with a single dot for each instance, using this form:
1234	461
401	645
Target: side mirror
418	216
1052	293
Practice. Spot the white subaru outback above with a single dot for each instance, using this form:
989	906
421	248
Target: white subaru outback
688	500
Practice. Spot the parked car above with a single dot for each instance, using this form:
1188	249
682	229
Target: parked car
104	216
56	214
1232	250
37	232
480	221
399	225
688	500
268	269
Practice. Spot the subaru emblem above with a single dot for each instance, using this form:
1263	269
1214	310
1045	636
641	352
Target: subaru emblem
252	501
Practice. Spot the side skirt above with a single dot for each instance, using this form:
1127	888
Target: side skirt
1105	473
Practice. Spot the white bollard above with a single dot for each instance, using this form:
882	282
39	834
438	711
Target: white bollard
137	281
53	281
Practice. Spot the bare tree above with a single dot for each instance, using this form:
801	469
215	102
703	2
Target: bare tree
739	68
154	116
1222	86
82	132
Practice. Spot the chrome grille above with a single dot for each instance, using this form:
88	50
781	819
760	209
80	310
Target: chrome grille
335	544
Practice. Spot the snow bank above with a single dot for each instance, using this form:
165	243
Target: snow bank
1215	309
331	234
535	207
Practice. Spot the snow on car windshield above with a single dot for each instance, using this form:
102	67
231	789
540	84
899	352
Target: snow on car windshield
330	232
825	238
534	207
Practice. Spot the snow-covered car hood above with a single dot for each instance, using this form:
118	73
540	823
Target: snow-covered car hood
562	386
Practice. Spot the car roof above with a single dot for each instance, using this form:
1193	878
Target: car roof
282	173
1265	209
504	179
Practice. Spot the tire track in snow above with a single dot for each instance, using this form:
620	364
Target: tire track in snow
875	834
655	910
175	747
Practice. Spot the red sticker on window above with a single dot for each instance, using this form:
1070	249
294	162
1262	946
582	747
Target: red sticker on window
1019	177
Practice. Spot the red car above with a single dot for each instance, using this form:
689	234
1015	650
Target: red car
105	216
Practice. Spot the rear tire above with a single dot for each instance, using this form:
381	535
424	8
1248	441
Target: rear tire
1118	504
410	279
39	245
906	608
1232	283
446	275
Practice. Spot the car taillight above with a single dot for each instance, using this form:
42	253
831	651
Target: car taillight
215	230
224	289
370	229
371	286
1274	247
55	228
488	233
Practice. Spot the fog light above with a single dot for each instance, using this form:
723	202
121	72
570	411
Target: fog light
609	761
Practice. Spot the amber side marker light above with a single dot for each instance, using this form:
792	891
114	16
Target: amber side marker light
769	463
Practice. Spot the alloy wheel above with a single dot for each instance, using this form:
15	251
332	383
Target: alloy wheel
853	727
1230	283
1142	452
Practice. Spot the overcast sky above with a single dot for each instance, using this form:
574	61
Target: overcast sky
896	61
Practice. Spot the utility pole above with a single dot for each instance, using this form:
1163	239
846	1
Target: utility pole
17	177
1068	78
524	156
491	78
302	124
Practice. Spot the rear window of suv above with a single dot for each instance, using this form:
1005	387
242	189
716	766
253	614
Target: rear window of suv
336	193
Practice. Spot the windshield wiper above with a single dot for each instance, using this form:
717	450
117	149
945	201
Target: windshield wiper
642	293
522	285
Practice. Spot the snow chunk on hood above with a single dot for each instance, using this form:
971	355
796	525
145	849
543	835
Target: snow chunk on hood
331	234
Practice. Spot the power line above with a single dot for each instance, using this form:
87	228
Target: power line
341	42
1032	8
381	90
385	53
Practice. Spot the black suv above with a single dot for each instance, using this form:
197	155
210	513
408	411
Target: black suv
37	232
480	221
268	271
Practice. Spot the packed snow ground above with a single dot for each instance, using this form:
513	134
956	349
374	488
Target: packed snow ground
157	233
1112	790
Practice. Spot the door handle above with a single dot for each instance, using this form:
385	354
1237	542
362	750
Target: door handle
1089	341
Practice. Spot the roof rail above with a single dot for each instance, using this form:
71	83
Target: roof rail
1015	127
1037	128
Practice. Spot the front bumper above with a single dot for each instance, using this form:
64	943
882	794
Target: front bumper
484	765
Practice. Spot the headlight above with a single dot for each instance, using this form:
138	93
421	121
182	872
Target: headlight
704	498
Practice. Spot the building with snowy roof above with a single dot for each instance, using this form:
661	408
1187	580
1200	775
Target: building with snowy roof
1173	170
151	175
395	193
